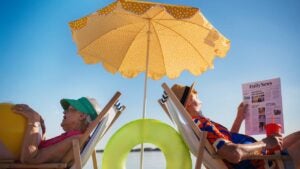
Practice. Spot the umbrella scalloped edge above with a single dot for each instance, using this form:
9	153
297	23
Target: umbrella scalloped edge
153	75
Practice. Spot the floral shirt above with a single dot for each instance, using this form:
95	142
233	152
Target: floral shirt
218	135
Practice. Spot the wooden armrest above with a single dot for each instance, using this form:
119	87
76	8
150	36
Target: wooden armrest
261	157
201	150
271	157
45	165
76	154
7	161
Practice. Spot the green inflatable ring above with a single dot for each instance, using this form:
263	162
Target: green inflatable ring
146	131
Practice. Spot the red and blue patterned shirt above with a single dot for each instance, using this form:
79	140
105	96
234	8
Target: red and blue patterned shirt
218	135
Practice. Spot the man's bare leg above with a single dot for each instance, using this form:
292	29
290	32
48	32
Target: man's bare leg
291	139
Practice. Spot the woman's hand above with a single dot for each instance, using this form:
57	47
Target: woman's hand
27	112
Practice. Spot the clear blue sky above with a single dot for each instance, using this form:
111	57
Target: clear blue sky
39	64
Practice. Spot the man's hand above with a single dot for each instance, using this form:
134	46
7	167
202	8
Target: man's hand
241	111
240	116
273	142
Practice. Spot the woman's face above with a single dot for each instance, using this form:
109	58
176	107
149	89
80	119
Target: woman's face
193	103
72	119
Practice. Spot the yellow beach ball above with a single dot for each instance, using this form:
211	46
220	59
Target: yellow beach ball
12	129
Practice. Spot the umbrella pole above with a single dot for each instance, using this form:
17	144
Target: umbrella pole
144	113
145	87
145	90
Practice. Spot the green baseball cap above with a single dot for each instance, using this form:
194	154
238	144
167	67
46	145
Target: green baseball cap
83	105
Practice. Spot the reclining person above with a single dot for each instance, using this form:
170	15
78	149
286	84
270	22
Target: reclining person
76	117
235	148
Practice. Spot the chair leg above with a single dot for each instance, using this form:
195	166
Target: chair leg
94	160
200	150
76	153
276	164
280	164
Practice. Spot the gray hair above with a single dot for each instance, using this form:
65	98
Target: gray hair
96	106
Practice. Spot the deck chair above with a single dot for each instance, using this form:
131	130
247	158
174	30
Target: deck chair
84	147
196	139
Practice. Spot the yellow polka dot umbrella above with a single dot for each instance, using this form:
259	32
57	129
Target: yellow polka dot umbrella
131	37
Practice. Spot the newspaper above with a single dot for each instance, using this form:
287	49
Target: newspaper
264	105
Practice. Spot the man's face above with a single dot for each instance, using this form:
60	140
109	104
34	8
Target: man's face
71	119
193	103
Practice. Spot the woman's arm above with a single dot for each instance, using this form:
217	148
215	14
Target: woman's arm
53	153
239	118
32	135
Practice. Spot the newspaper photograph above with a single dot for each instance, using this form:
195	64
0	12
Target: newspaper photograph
264	105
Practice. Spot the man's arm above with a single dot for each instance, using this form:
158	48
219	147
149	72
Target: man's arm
235	153
239	118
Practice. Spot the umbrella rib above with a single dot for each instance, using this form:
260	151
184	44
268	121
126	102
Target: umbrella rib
106	34
120	14
185	40
155	19
131	44
156	34
208	29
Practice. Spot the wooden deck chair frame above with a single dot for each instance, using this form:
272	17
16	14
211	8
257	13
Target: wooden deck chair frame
205	149
73	158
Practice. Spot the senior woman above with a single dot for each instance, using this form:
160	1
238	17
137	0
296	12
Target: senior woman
76	117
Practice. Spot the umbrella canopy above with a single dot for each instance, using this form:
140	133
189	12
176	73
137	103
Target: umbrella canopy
133	36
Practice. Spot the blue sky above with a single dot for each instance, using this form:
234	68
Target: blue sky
39	64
